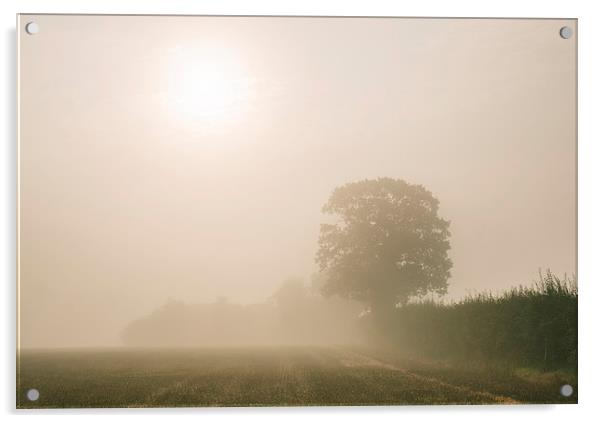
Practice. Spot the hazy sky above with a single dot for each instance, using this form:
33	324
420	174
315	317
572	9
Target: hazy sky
189	157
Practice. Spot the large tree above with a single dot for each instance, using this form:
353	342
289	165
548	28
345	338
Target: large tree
387	243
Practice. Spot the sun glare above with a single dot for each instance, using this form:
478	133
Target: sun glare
206	88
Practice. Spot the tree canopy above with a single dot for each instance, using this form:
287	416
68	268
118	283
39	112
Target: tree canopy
387	243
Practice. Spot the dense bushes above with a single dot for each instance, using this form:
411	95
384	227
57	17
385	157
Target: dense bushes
534	326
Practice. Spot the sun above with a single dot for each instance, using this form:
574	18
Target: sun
206	88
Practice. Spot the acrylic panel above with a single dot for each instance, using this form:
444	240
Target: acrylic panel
296	211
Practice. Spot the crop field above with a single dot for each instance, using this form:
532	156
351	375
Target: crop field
269	376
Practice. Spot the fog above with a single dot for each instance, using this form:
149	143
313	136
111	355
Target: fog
159	210
294	315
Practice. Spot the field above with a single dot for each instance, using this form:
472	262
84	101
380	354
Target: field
269	376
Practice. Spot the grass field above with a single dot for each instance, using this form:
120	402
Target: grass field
284	376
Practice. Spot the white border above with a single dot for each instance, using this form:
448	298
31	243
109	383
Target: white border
590	210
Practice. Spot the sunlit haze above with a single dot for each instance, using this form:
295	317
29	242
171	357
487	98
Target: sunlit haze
191	162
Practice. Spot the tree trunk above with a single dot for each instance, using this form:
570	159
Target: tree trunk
382	308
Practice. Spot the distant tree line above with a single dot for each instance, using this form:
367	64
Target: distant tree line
296	314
